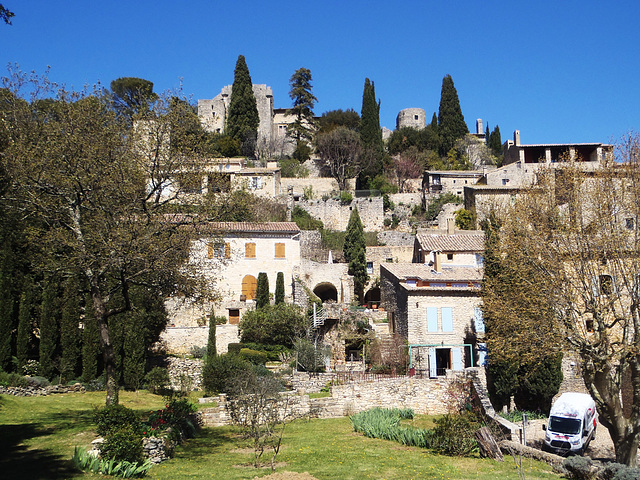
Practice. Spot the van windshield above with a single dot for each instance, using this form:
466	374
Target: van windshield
570	426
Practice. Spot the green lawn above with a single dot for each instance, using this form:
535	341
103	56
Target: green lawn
37	436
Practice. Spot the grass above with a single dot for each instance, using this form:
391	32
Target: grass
38	435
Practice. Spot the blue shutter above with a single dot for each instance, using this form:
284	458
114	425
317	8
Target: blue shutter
432	319
433	371
447	319
456	353
478	320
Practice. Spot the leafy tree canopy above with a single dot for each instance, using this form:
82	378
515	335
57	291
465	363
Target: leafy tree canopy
339	118
131	96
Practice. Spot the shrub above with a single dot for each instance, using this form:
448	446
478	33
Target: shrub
219	372
274	325
387	204
236	347
198	351
454	434
304	220
12	380
346	198
157	380
618	471
253	356
178	415
113	417
124	443
580	468
292	168
38	382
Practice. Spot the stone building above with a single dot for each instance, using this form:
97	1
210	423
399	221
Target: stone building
213	112
435	304
411	117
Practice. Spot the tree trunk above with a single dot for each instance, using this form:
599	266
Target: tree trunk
626	448
108	355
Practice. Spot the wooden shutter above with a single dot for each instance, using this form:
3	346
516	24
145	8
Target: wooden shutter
250	250
249	284
210	250
279	250
227	250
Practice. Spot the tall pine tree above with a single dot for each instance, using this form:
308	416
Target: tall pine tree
371	136
355	253
303	101
451	124
242	118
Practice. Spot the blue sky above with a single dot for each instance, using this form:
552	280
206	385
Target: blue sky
559	71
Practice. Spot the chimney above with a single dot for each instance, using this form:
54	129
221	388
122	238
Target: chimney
479	130
451	226
516	138
437	263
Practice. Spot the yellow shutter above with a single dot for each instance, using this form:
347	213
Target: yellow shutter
210	250
279	250
227	250
250	250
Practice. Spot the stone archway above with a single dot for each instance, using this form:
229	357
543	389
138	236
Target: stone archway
372	297
326	292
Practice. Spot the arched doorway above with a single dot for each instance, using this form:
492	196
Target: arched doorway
372	297
326	292
249	287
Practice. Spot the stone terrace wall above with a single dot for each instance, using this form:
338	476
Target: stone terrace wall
179	340
335	216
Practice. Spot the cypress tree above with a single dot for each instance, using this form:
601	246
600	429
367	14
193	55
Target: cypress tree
134	350
451	124
212	350
7	306
25	322
262	290
70	359
242	119
495	142
355	252
279	297
370	135
303	101
49	333
90	344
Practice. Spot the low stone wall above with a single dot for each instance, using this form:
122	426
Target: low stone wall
41	391
179	340
423	395
183	370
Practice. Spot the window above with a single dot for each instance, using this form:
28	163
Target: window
255	183
478	320
234	316
415	117
219	250
449	256
505	181
280	250
369	268
250	250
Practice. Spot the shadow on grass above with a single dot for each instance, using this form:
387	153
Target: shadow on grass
18	461
206	442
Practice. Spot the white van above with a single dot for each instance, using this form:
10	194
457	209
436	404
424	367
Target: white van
572	424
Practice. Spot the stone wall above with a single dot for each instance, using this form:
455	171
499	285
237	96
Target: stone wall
423	395
179	340
398	239
41	391
320	186
335	215
185	372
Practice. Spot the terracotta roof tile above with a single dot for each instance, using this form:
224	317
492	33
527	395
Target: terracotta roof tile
459	242
404	271
251	227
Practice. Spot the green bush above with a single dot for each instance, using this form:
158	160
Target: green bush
454	434
13	380
346	198
89	463
304	220
124	443
235	347
253	356
177	415
292	168
114	417
219	372
198	351
274	325
157	380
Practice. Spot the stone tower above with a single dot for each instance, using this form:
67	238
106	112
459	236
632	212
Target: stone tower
411	117
213	113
